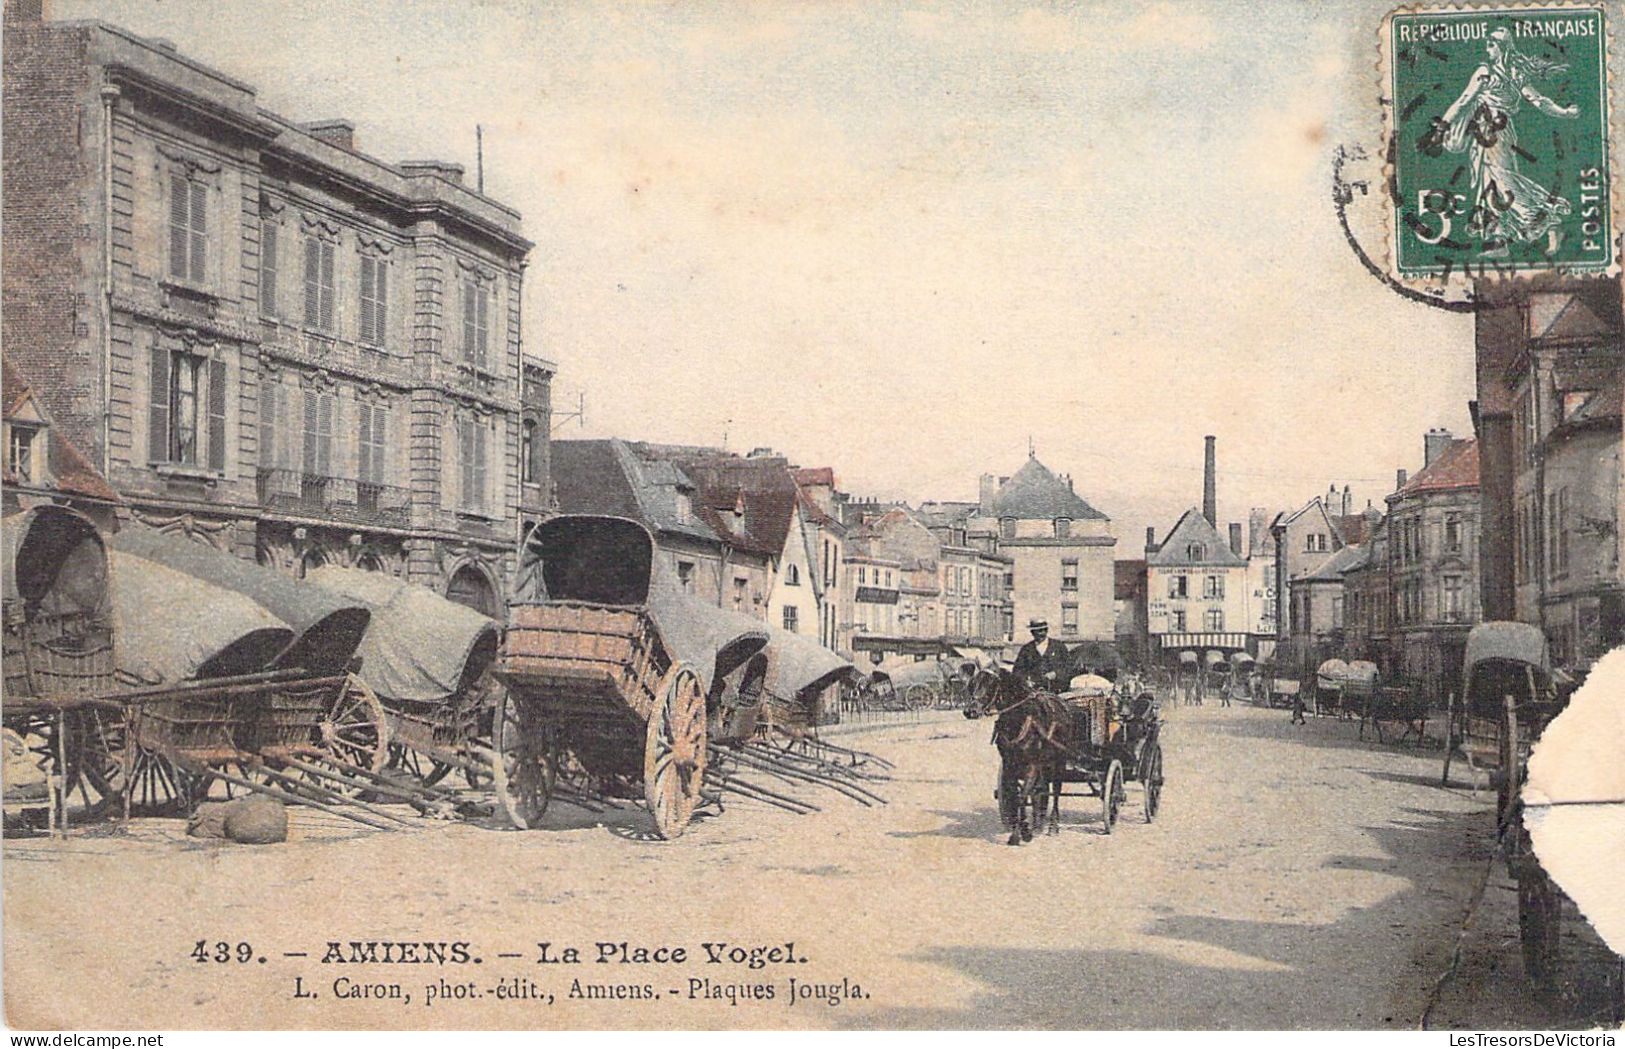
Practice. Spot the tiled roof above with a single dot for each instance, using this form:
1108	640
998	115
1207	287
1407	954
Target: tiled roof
605	477
1191	528
1600	406
70	469
1331	570
761	488
814	475
1034	492
1455	467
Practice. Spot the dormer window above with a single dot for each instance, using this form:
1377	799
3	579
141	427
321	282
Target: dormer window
24	449
685	507
1063	527
1007	527
1196	552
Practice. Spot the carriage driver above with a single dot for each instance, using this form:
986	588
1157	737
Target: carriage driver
1043	663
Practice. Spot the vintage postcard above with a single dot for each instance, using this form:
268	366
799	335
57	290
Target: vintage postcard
912	515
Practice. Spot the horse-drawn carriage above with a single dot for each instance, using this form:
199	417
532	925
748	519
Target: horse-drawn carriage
609	663
1089	735
1508	696
161	672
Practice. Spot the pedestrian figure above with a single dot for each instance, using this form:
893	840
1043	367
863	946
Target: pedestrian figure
1297	709
1224	693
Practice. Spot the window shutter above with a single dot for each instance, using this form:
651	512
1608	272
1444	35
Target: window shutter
310	431
198	229
380	444
368	332
313	282
483	296
482	490
268	449
364	434
324	428
217	414
327	286
468	322
179	207
158	413
465	440
380	300
268	266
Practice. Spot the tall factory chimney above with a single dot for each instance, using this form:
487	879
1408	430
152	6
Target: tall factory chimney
1210	492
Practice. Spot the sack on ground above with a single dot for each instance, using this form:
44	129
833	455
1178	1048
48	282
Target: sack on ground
257	821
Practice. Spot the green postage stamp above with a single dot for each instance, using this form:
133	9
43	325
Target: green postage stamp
1498	140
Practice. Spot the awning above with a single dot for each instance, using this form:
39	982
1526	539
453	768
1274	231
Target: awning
418	646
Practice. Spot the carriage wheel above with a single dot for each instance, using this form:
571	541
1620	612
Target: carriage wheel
156	786
355	730
1511	767
1540	925
1111	795
527	765
1151	779
918	697
426	771
674	752
1008	793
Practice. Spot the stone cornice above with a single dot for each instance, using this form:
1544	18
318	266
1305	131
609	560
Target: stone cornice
176	319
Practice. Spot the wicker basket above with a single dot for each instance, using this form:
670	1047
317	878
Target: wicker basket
579	648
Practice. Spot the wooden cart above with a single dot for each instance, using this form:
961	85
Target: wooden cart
1117	742
612	666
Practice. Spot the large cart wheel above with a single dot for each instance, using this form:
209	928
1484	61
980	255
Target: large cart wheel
355	730
1511	772
918	697
156	786
425	770
1540	924
674	752
1151	779
527	765
1111	795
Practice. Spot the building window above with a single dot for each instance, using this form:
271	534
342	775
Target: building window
372	442
1069	619
374	300
476	321
685	575
319	284
21	453
188	228
1063	528
1176	620
1213	586
863	576
1069	574
792	575
187	417
790	615
740	585
1196	552
1452	533
268	268
1451	598
1213	619
1007	527
1178	586
472	457
528	472
318	459
1337	611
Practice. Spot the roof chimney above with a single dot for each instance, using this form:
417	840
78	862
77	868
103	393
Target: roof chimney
1434	444
1347	500
1235	538
1210	492
1399	480
25	10
1150	539
986	490
432	169
334	132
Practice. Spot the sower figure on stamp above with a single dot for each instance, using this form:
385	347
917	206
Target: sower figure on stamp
1043	664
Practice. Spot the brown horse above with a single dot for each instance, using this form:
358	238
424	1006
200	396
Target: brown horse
1033	732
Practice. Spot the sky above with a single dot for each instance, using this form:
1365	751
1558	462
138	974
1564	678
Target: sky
905	239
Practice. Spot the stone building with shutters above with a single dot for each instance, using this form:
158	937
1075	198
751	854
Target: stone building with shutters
262	336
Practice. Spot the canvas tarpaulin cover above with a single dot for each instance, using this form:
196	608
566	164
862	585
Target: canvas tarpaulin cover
169	626
326	627
796	664
418	646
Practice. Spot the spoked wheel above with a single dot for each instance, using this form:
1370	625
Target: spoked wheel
527	765
1540	925
1009	797
674	752
918	697
354	729
1511	772
1111	795
156	786
1151	780
425	770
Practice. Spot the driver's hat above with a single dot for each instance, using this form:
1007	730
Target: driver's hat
1038	624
